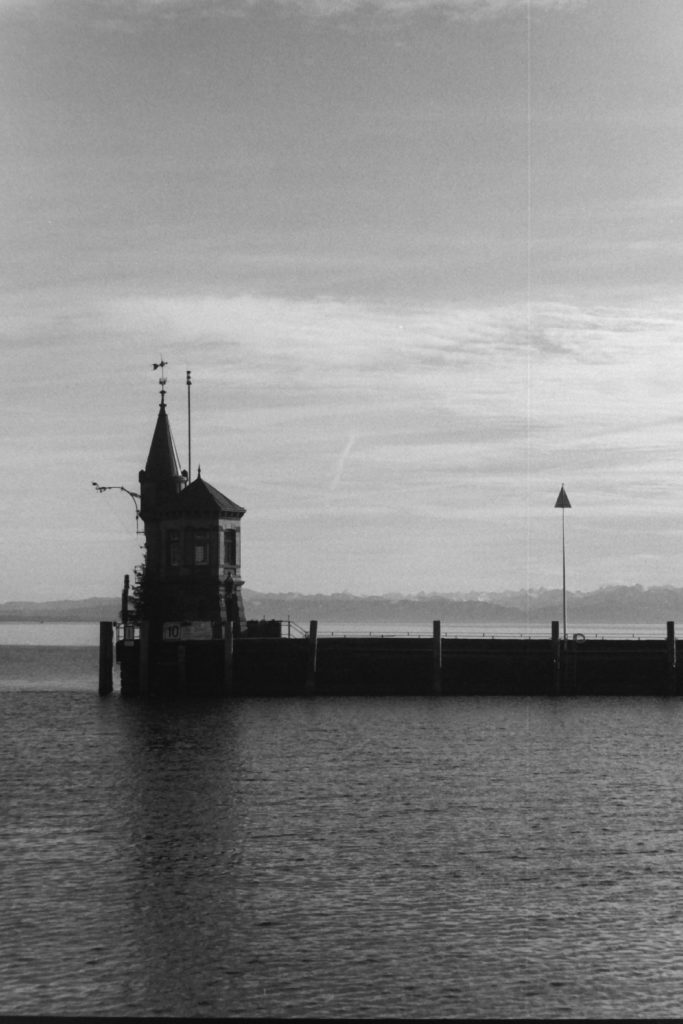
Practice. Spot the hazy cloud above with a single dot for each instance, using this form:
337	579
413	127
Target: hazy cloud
298	401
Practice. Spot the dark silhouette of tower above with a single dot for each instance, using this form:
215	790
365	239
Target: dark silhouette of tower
191	582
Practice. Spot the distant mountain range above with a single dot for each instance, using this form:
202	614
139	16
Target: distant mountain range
616	604
89	609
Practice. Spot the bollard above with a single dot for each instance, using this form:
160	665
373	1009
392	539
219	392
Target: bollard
672	681
106	683
436	658
557	657
228	656
143	663
124	599
312	664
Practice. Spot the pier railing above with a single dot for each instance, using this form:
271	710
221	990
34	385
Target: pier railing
496	632
461	631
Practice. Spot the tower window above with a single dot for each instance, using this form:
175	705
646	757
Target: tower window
201	547
230	547
173	547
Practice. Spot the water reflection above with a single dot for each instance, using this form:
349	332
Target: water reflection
345	857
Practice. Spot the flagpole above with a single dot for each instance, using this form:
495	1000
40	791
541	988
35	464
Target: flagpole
563	502
188	381
564	581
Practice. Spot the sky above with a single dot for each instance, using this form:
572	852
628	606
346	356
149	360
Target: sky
423	258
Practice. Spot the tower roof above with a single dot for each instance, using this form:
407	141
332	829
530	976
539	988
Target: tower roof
162	463
202	497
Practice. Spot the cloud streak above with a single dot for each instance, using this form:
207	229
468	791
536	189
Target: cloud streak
341	462
454	8
475	9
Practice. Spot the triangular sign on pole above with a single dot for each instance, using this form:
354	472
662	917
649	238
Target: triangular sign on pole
562	499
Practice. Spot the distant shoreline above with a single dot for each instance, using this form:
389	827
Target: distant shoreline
609	605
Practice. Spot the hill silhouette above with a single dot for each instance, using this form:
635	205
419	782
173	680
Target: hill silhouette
610	604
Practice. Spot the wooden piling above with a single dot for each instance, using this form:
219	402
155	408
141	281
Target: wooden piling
312	663
228	657
124	599
106	683
672	683
436	658
557	657
143	654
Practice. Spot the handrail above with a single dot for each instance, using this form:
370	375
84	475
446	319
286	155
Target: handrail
293	627
292	630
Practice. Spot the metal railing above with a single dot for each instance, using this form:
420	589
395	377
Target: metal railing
648	631
292	630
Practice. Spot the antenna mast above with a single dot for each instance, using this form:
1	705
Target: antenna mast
188	381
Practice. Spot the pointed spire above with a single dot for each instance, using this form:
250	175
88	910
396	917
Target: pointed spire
162	463
161	480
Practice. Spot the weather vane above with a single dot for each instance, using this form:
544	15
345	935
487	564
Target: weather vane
162	380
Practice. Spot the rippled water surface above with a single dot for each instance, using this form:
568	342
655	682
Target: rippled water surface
339	857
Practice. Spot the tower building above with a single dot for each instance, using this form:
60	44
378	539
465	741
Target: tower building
191	582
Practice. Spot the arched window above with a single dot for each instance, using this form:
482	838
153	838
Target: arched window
230	547
201	547
173	547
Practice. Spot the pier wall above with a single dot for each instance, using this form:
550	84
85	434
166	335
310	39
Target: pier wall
397	666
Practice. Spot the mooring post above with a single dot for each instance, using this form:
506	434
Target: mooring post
671	657
106	658
228	655
124	599
143	662
312	657
557	656
436	657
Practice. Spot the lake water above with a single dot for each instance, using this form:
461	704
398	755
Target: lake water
429	857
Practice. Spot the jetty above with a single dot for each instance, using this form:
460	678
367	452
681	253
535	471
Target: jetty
183	629
280	666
